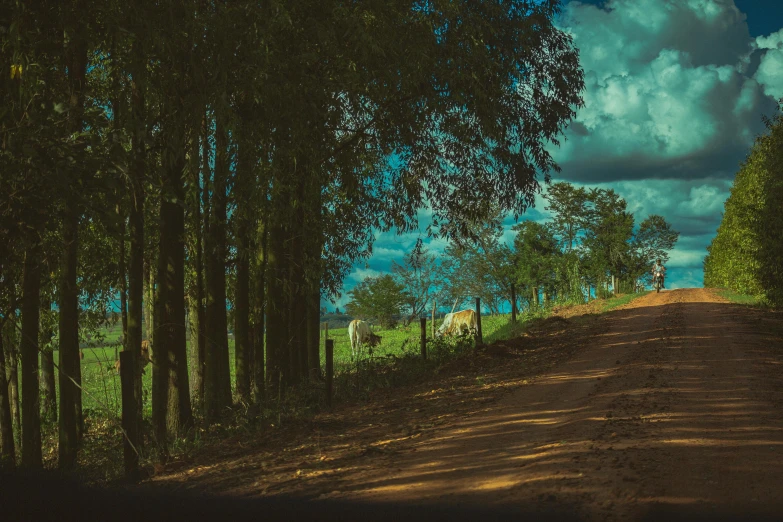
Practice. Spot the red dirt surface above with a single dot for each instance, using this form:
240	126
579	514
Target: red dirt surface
672	400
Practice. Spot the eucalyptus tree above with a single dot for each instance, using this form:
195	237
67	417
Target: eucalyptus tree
448	105
654	239
609	233
745	252
568	205
536	254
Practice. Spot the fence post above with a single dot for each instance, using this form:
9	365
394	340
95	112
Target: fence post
434	305
128	368
329	370
513	303
423	321
479	336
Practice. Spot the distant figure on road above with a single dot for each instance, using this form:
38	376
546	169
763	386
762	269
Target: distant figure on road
658	270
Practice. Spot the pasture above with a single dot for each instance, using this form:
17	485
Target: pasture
101	383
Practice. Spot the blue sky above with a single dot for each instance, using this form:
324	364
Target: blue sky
675	93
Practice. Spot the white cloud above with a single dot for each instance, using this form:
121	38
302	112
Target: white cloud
664	83
770	71
359	274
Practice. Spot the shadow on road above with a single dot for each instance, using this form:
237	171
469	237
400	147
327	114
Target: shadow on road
669	409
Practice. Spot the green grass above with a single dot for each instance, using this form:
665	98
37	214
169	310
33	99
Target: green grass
397	340
102	383
740	299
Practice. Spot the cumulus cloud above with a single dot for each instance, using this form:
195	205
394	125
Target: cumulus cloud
770	69
675	90
667	92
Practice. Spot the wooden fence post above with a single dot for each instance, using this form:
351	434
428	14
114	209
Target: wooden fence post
479	336
513	303
329	370
128	368
423	321
433	318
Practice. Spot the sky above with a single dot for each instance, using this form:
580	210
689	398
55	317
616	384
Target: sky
674	95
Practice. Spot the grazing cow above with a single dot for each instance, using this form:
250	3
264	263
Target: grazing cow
360	334
145	357
457	322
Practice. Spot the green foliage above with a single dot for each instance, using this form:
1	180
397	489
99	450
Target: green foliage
745	254
418	276
568	204
377	298
741	299
480	268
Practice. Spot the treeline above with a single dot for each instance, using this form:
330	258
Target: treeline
590	246
227	162
745	254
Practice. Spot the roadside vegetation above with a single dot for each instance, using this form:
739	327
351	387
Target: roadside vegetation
207	189
744	257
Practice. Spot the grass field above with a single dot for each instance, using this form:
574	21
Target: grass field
101	382
740	299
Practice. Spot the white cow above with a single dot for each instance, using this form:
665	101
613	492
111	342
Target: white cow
457	322
360	334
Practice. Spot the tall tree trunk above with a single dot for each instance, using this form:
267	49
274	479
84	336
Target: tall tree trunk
49	400
7	450
196	290
243	189
149	298
136	278
172	414
71	420
259	312
314	246
200	250
217	389
123	285
180	414
12	367
194	362
276	305
31	398
313	332
299	286
160	370
69	374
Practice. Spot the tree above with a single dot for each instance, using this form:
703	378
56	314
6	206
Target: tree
608	234
377	298
31	306
744	255
568	205
653	240
418	275
535	258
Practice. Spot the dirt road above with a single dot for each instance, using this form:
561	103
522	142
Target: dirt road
674	399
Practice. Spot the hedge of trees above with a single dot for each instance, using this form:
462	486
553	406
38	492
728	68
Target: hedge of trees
745	255
591	246
229	161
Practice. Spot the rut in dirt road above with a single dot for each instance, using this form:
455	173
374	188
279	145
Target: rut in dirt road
677	402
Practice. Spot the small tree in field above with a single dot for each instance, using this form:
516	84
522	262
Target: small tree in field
418	275
379	298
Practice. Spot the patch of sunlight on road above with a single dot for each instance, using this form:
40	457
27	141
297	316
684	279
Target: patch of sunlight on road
721	442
